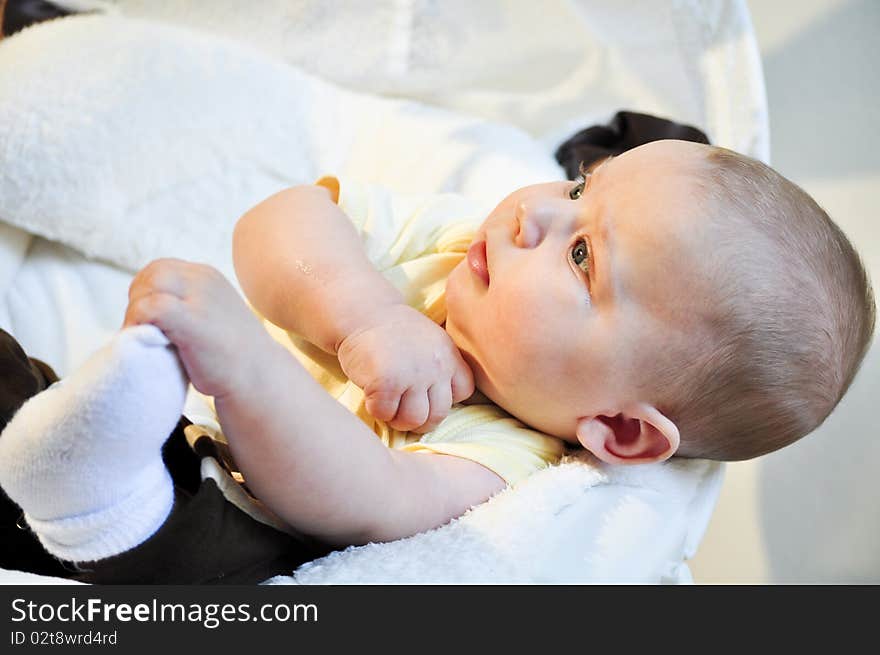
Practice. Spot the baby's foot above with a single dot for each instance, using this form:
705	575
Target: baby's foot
83	458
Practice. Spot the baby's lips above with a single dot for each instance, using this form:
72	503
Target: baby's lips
476	258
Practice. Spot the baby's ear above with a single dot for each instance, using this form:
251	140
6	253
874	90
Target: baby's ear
639	435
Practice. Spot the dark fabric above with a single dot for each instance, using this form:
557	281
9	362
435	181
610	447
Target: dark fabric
206	540
21	378
180	460
19	14
626	130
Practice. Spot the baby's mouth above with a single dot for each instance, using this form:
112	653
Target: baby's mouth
477	262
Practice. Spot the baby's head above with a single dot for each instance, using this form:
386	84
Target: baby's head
683	299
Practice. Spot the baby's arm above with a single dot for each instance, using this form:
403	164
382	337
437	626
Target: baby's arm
302	265
308	458
323	471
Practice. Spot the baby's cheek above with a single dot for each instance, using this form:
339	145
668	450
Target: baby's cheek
452	288
520	337
527	306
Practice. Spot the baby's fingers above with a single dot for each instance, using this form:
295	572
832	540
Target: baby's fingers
168	276
383	405
160	309
440	401
413	410
462	382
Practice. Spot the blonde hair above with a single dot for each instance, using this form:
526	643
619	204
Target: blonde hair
790	324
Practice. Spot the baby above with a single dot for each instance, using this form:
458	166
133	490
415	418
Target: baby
680	299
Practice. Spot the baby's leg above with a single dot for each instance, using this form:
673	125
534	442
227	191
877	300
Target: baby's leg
83	458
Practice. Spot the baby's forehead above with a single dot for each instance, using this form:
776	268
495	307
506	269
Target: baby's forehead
662	170
657	203
659	231
667	151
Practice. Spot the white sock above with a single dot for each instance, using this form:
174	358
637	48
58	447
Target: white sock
83	457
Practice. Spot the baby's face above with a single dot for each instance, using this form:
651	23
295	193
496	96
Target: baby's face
571	294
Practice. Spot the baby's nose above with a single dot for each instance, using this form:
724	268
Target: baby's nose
532	223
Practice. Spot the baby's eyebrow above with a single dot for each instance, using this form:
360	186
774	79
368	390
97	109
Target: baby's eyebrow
593	167
604	246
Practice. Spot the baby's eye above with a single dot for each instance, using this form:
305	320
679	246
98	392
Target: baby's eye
578	189
580	255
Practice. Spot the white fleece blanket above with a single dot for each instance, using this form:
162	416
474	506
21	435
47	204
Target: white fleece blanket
129	140
576	523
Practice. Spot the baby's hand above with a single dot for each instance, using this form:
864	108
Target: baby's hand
218	338
410	370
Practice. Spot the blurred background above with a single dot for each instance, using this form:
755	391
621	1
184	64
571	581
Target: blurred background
811	512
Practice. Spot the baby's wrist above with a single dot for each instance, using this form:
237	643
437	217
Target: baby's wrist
363	316
247	374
